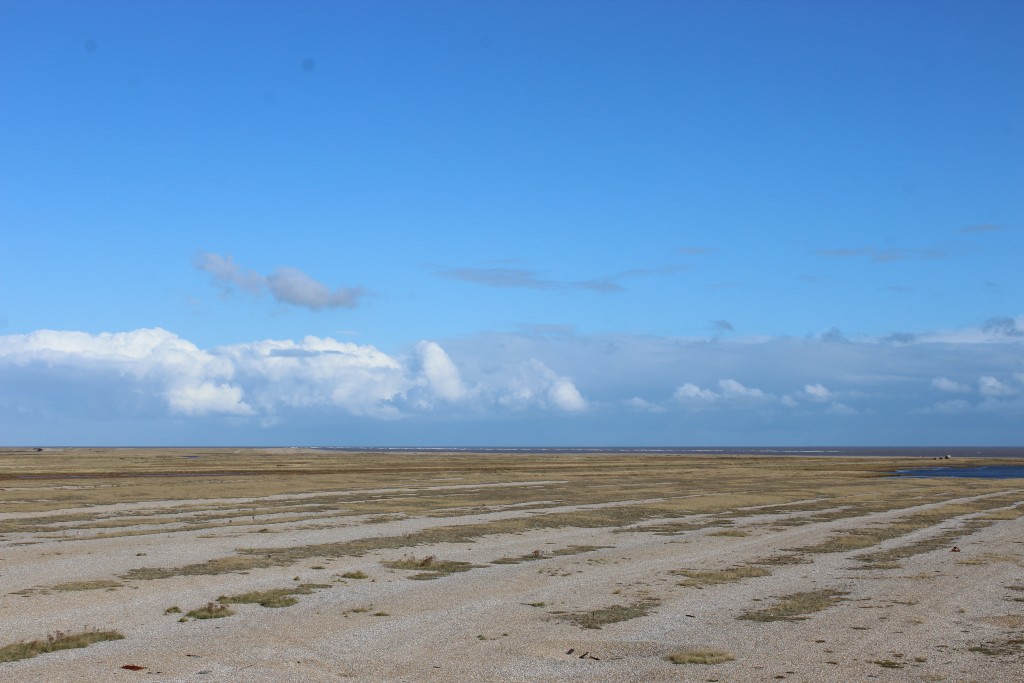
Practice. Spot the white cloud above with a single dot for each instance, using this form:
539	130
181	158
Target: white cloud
950	386
991	387
732	388
191	381
728	389
534	383
692	392
287	285
440	372
817	392
564	395
207	397
266	378
639	404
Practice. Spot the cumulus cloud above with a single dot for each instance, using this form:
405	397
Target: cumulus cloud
950	386
993	388
817	392
192	381
534	383
753	390
731	387
728	389
270	377
286	285
692	392
440	372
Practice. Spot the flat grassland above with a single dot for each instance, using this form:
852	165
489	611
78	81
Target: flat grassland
306	565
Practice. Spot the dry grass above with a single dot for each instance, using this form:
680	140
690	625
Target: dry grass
210	611
794	607
541	555
354	575
702	656
782	560
86	585
595	619
54	642
711	578
275	597
430	567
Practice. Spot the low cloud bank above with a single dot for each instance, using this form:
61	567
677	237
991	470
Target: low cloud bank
268	377
965	384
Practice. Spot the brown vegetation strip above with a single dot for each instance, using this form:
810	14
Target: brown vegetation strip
794	607
54	642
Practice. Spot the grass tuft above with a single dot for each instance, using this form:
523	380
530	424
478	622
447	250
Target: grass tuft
354	575
211	611
430	567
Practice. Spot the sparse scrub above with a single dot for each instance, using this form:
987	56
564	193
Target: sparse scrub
86	585
540	555
275	597
702	656
794	607
54	642
781	560
354	575
711	578
430	567
211	611
595	619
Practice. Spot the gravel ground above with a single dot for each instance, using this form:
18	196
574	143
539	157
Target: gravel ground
918	622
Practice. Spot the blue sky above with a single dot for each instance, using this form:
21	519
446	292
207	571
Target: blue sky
511	223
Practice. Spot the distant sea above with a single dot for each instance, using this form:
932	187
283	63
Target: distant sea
901	451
